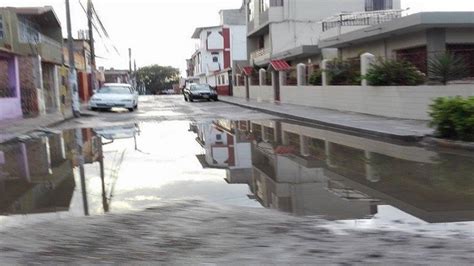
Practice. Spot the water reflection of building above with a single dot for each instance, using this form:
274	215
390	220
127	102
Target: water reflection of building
37	175
307	170
225	147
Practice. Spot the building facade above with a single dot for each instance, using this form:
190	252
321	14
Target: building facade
290	30
415	38
220	49
34	37
82	58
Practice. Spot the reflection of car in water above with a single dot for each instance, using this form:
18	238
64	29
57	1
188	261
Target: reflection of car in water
118	132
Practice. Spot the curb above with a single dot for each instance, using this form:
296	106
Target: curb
446	143
334	126
52	124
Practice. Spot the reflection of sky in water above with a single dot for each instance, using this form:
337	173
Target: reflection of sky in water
390	218
164	167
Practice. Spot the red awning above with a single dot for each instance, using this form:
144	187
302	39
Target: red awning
248	70
280	65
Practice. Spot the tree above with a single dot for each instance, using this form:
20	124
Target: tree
158	78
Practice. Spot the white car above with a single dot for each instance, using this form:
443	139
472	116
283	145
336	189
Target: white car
114	95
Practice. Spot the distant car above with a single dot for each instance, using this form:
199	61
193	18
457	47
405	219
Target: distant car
199	92
114	95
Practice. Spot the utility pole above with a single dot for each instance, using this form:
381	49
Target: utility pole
130	61
92	45
76	107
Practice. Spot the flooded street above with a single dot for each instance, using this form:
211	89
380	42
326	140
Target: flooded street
212	191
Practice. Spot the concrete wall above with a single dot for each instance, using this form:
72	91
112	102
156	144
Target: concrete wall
317	10
238	37
398	102
261	93
386	47
239	91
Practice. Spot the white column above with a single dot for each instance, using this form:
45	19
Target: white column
262	77
57	93
301	74
370	174
304	147
366	60
324	76
237	80
327	147
282	78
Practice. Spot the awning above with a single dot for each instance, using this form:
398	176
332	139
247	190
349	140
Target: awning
247	71
279	65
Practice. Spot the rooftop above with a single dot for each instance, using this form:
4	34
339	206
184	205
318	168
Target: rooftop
46	12
197	31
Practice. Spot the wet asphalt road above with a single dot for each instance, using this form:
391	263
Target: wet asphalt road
166	208
168	108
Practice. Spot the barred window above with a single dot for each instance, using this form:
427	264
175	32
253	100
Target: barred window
374	5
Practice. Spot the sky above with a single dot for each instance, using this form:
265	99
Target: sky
159	31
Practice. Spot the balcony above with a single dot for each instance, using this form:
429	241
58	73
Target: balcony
50	50
261	56
30	38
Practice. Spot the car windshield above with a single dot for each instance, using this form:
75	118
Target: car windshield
201	88
114	90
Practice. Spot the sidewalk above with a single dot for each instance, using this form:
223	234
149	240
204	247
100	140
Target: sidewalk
400	129
11	129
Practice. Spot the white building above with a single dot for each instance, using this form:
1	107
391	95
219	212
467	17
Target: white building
224	147
290	29
220	49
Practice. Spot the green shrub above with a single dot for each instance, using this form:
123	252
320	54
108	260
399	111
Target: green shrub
344	72
447	67
453	118
394	73
316	78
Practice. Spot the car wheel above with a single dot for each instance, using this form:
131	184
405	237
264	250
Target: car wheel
191	99
216	99
131	109
94	109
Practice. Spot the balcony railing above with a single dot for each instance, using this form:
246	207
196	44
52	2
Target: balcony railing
48	41
361	19
260	53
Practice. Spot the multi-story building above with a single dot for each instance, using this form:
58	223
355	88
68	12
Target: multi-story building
34	36
290	30
219	50
82	56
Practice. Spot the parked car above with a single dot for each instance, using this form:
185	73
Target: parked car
199	92
114	95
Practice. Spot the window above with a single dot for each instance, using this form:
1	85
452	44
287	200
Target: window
374	5
215	57
1	28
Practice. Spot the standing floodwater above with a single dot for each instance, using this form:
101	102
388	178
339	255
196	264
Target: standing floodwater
175	190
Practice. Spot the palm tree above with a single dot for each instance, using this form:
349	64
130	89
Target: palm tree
446	67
